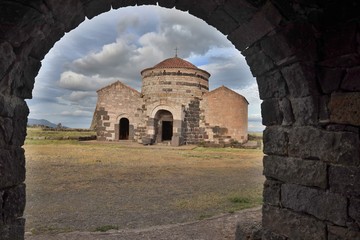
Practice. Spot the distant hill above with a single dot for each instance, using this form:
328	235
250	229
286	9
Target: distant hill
43	122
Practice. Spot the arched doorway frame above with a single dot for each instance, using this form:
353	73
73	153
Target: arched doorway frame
163	120
265	33
124	128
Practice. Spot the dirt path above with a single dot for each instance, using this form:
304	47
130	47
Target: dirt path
217	228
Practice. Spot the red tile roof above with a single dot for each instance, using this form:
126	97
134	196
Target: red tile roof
175	62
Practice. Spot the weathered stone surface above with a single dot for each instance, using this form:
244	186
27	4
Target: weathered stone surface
354	209
162	3
93	7
271	85
305	110
345	108
323	205
334	147
271	193
23	86
13	203
13	231
275	140
344	180
292	225
340	233
295	170
259	63
287	112
21	111
12	167
330	79
6	131
125	3
7	57
259	25
270	112
292	40
240	10
268	235
344	36
351	81
343	61
69	12
210	9
300	79
222	21
324	113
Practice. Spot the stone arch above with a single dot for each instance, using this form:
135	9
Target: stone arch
305	57
130	130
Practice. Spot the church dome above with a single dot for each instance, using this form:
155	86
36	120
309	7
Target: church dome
175	62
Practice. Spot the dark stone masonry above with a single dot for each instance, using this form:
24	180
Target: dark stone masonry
305	56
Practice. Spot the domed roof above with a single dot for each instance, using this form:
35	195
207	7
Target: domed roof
175	62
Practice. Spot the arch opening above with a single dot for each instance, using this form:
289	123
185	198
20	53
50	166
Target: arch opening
124	129
163	126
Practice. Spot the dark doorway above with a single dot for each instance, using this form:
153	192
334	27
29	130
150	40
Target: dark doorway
167	130
124	129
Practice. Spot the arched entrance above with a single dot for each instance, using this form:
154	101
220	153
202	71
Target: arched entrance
306	72
124	127
163	126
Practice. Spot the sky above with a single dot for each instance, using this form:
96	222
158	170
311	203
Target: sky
117	45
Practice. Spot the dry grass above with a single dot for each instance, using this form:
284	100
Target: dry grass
85	186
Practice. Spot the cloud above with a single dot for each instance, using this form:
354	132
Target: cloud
77	113
118	45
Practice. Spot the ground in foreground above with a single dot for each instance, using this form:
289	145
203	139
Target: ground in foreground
88	186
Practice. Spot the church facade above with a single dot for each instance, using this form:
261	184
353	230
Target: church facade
174	107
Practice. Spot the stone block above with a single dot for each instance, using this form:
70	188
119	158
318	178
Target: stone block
125	3
7	57
221	20
12	167
351	81
93	8
300	79
340	233
13	203
275	140
354	209
291	224
305	110
271	193
21	111
69	12
271	85
287	112
23	86
295	170
344	36
241	11
258	26
333	147
344	180
321	204
345	108
268	235
343	61
6	131
270	112
259	63
165	3
324	113
13	231
330	79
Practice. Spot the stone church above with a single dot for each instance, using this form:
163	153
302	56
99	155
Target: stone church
174	107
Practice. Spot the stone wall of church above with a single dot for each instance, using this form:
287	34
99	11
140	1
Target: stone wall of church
224	117
179	85
118	101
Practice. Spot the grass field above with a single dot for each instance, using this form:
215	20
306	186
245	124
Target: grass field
92	186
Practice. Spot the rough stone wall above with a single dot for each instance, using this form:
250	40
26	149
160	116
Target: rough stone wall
193	134
114	102
225	116
305	56
178	85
